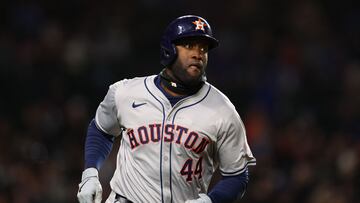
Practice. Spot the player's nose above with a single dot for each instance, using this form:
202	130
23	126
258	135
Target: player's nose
197	52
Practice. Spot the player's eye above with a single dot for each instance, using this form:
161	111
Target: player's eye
188	46
204	49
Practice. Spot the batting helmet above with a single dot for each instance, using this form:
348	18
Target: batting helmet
184	27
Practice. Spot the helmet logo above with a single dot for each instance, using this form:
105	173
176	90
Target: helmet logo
199	25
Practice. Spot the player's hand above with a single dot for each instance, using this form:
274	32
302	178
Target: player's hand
202	199
90	189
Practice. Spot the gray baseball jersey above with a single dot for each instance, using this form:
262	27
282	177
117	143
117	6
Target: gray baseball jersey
168	154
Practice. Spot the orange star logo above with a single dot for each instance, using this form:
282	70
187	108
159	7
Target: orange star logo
199	24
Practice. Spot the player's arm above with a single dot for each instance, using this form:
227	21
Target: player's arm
229	188
99	141
233	166
98	146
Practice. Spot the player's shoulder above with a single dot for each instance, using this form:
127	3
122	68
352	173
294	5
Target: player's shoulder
130	82
218	97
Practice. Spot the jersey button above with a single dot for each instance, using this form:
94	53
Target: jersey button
165	158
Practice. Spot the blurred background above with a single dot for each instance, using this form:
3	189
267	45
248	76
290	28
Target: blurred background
291	68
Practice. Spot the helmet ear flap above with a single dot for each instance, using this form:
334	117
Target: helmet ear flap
168	54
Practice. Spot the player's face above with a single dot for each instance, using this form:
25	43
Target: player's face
190	65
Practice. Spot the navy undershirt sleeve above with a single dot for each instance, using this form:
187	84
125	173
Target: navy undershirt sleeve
98	146
229	188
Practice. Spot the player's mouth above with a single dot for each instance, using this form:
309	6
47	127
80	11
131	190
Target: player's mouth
196	65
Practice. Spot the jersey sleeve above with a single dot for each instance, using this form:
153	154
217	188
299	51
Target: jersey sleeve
234	153
106	114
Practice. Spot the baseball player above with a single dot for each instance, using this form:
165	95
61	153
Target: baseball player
175	130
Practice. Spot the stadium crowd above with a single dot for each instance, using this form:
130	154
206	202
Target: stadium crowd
291	68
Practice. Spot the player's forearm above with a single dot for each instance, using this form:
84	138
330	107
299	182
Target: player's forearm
98	146
228	189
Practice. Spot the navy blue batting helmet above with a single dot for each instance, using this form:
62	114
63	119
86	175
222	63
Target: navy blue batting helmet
184	27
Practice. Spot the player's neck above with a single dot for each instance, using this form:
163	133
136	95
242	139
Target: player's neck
172	93
175	88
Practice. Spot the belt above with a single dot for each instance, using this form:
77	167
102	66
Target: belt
122	199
